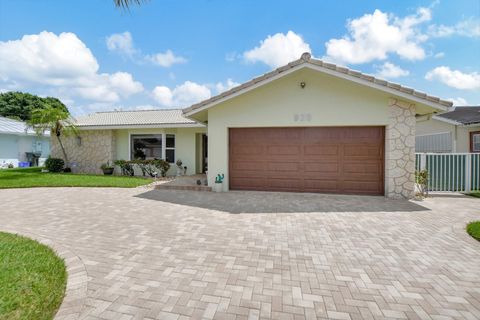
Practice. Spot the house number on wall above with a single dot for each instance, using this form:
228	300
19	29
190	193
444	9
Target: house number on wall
302	117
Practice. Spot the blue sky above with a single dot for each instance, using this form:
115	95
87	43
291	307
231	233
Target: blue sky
169	53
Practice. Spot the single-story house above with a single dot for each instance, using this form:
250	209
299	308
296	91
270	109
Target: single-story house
18	143
454	131
308	126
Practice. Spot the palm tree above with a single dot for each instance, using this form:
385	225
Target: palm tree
55	120
127	3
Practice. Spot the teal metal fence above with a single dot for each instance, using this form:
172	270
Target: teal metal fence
450	171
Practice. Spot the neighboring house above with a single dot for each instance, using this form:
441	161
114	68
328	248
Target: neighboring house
309	126
16	140
454	131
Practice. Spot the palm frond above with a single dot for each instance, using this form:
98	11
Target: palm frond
126	3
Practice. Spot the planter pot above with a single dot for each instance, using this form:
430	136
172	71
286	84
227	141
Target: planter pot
179	171
108	171
218	187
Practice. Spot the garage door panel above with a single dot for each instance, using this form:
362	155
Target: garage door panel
366	151
321	185
364	167
247	183
238	166
283	166
247	150
281	183
321	167
324	134
323	150
283	150
313	159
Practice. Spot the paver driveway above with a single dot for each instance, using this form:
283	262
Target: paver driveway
343	257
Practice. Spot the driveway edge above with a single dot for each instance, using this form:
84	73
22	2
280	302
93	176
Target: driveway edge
76	289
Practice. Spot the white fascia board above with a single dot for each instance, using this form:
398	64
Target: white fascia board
146	126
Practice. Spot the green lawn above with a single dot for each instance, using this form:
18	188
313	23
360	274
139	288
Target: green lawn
32	279
33	177
473	229
475	194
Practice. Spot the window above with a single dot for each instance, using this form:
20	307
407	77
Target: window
146	147
475	141
170	148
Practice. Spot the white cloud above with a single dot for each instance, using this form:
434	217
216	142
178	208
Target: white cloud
459	101
229	84
389	70
455	78
278	50
439	55
166	59
375	36
183	95
466	28
122	43
62	64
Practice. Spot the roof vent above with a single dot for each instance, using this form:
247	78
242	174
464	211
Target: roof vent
306	56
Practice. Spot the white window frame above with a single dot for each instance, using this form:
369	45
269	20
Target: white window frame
164	142
473	135
170	148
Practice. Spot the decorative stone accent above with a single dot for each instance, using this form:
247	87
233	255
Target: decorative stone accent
400	150
87	151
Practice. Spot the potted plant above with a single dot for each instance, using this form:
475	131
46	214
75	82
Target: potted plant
107	169
218	187
180	169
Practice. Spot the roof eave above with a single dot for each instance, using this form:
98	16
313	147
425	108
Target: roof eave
140	126
327	68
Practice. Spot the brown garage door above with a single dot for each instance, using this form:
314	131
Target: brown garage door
317	159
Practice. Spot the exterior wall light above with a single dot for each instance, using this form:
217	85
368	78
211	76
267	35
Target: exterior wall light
302	85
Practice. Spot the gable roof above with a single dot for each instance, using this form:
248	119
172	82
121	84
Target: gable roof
10	126
160	118
461	116
329	68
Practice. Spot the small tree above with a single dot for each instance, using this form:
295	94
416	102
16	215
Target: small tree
55	120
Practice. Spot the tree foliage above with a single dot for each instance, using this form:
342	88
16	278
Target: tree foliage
19	105
55	120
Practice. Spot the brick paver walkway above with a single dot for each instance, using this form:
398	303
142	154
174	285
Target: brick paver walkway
147	258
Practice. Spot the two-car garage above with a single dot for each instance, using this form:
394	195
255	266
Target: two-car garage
347	160
311	126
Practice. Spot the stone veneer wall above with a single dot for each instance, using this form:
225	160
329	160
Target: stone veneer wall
96	147
400	151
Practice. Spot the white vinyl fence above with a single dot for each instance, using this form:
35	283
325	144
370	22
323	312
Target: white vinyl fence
450	171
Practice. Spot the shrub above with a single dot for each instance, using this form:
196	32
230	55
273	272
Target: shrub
54	164
125	166
421	178
161	165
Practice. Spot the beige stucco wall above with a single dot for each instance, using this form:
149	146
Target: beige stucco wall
461	137
87	155
325	101
184	144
